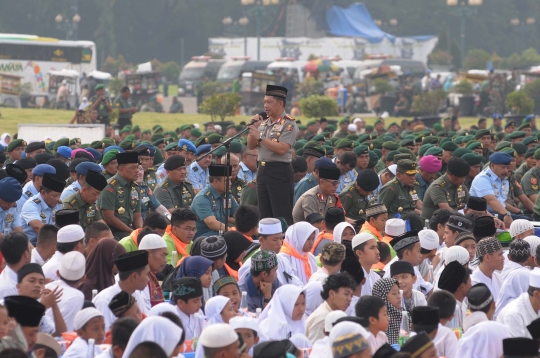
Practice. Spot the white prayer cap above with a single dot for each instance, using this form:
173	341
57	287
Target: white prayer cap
358	119
196	125
244	322
361	238
456	253
394	227
331	318
82	317
270	226
534	241
217	127
218	335
152	242
393	168
352	127
429	239
519	226
70	233
72	266
534	278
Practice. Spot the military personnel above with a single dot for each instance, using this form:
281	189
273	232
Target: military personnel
148	198
311	180
484	137
40	209
356	197
448	191
175	191
428	167
517	136
63	153
362	157
531	178
33	187
237	184
525	127
320	198
496	127
14	150
509	127
198	173
530	142
34	148
528	164
475	163
248	165
311	152
387	147
516	202
346	163
27	164
81	169
120	203
10	193
344	145
249	194
187	149
84	200
209	203
109	163
125	108
275	138
146	159
102	104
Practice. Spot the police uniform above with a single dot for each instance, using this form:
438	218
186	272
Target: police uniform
197	176
123	118
354	203
246	174
398	197
275	177
443	191
236	188
28	191
88	213
249	194
488	183
171	195
102	111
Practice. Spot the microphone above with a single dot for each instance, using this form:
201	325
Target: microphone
264	116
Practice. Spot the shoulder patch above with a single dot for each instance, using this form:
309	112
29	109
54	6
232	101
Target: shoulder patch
351	189
73	201
111	190
151	169
113	182
207	194
196	169
289	118
28	193
166	184
36	200
395	182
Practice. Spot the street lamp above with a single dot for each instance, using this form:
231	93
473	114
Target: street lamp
522	28
465	9
390	24
258	9
227	21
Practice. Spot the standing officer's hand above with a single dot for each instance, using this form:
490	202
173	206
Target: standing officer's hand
254	128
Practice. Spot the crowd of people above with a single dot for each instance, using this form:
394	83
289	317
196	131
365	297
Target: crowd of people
302	241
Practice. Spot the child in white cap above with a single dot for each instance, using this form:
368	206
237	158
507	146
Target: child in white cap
89	325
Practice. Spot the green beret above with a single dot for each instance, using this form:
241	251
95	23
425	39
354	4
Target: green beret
171	146
393	124
524	125
110	155
130	137
438	127
419	138
98	87
97	144
536	154
230	126
529	140
318	138
158	142
300	152
461	152
125	130
314	148
481	133
302	127
155	137
334	140
406	151
185	126
136	128
59	143
310	123
436	151
407	142
390	137
84	145
459	139
236	147
127	144
158	156
331	128
373	159
74	141
344	143
463	132
326	134
390	156
299	144
379	120
530	152
108	142
520	148
509	124
328	142
50	145
352	137
195	133
468	138
220	152
517	134
475	145
15	144
329	149
510	151
342	120
472	158
361	149
157	127
146	131
442	134
430	140
215	138
390	145
377	143
423	148
450	134
444	140
401	156
499	136
369	127
409	136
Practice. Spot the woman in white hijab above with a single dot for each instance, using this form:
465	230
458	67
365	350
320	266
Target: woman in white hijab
313	296
299	240
5	139
159	330
284	314
482	340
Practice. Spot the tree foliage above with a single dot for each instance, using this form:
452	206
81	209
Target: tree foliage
428	103
221	105
520	103
477	59
318	106
310	86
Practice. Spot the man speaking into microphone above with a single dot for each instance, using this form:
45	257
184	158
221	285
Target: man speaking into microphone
275	137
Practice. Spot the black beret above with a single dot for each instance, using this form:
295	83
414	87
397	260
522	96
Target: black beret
142	150
15	171
61	168
66	217
26	163
34	146
458	167
96	180
174	161
368	180
76	162
43	158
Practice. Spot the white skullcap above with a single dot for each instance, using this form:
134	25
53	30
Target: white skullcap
217	127
238	322
218	335
356	120
352	127
72	266
533	241
70	233
196	125
429	239
456	253
84	99
393	168
519	226
331	318
359	239
270	226
82	317
152	242
534	278
394	227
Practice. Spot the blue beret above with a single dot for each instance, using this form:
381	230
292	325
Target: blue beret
325	162
10	190
500	158
2	148
113	147
185	144
97	155
84	167
205	148
529	117
64	151
151	147
496	116
41	169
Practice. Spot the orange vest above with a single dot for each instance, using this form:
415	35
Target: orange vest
322	235
134	234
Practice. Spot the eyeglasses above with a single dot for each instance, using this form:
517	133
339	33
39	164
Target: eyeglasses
188	229
333	182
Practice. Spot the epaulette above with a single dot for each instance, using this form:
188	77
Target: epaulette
352	188
36	200
188	182
113	182
196	169
309	180
416	183
244	182
104	172
73	201
207	194
166	184
443	183
289	118
29	193
151	169
395	182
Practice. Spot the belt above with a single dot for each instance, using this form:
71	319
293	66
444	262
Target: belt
274	164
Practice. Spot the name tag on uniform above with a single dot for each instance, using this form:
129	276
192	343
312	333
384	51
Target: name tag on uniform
461	194
90	214
277	128
414	196
145	200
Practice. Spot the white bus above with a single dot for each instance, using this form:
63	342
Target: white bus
33	57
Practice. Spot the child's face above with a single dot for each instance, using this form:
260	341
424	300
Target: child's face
394	298
381	323
4	321
206	278
192	306
228	312
370	254
308	245
32	285
341	298
406	281
233	293
470	245
134	312
219	263
299	308
347	234
248	336
380	222
95	328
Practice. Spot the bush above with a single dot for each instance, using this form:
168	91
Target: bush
171	70
221	105
318	106
520	103
464	87
440	58
532	89
428	103
381	86
212	88
115	85
476	59
310	87
113	66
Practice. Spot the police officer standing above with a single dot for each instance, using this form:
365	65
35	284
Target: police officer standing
101	104
275	138
175	191
84	200
356	197
125	108
120	203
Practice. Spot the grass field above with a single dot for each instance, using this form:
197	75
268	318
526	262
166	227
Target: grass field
11	117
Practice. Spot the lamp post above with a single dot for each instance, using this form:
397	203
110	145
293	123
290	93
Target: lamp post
464	9
258	8
522	28
234	28
389	25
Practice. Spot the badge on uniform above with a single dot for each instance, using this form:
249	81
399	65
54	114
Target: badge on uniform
121	210
534	180
9	218
414	196
290	127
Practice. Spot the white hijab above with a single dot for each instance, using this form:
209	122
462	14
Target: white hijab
296	236
213	309
482	340
300	341
160	308
313	296
278	311
159	330
338	231
344	328
3	139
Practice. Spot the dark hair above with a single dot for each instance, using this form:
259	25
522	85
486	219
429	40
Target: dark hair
211	179
155	221
368	306
13	353
335	282
481	120
13	246
180	216
125	275
246	217
331	263
399	253
384	250
148	350
440	216
124	89
281	99
255	273
176	320
299	164
347	158
121	331
374	216
65	247
47	235
145	231
468	273
444	301
93	230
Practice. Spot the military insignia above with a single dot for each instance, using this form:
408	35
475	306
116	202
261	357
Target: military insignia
121	210
113	182
360	212
110	190
535	187
23	143
28	193
206	140
9	218
43	216
400	209
238	188
37	201
290	127
517	184
195	169
534	180
73	201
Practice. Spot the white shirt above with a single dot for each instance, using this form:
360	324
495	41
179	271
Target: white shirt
446	342
517	315
494	283
371	278
322	348
79	348
375	342
51	267
351	311
283	266
192	326
36	258
8	283
102	300
320	275
70	303
515	281
315	322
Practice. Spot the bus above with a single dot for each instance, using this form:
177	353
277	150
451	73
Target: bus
33	58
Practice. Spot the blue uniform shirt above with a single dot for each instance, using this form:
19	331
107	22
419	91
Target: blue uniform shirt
9	220
245	174
197	176
208	202
423	186
304	185
255	298
36	209
71	189
28	191
345	180
486	183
